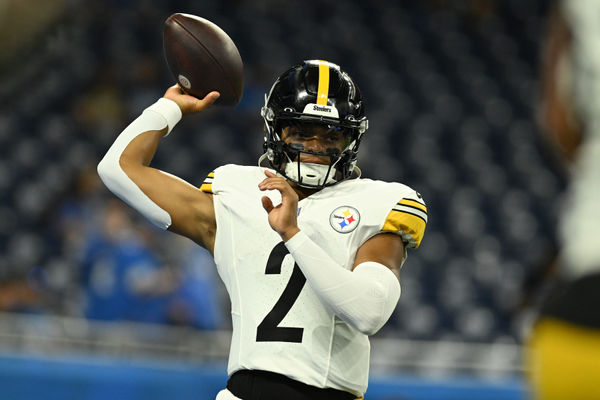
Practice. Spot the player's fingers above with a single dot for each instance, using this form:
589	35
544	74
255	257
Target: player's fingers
275	184
271	177
278	183
267	204
270	181
190	104
287	193
207	101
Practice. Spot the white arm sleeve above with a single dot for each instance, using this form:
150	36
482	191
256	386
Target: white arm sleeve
163	113
365	298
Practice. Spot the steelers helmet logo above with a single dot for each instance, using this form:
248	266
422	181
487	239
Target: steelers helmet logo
344	219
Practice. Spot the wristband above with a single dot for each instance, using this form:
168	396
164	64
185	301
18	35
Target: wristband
167	109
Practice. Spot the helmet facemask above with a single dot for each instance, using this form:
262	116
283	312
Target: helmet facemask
287	153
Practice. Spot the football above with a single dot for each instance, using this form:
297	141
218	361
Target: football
203	58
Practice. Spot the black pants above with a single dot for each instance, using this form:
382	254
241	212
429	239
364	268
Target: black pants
264	385
575	301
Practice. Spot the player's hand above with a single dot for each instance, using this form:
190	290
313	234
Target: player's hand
283	217
190	104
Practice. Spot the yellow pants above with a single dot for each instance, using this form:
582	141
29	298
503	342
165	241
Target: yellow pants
564	361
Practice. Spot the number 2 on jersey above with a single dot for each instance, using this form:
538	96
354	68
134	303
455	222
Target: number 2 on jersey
268	330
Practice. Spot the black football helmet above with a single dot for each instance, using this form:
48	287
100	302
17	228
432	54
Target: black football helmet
320	92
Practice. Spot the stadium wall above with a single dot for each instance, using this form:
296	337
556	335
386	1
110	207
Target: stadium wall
24	377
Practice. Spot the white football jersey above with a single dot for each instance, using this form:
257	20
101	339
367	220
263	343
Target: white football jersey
578	228
279	324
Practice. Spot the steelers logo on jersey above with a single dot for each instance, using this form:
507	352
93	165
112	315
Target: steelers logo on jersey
344	219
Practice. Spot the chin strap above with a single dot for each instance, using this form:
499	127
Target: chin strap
310	174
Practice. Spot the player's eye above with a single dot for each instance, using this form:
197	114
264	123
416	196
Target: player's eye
296	130
329	134
335	135
300	132
304	133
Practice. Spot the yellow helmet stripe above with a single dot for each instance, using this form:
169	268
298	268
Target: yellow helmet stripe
323	89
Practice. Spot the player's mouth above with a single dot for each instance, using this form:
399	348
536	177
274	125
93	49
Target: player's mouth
307	158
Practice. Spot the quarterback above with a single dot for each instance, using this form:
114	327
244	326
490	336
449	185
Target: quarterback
308	251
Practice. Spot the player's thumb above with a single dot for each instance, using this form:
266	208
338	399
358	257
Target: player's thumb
207	101
267	204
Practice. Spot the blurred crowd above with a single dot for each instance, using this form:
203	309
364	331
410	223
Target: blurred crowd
108	264
450	89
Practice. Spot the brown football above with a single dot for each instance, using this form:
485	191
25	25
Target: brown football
203	58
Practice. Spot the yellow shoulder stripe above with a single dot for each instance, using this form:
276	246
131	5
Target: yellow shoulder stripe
206	188
408	224
413	203
207	184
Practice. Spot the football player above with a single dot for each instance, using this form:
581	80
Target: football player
563	347
308	251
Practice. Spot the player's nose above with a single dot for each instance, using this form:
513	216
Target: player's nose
314	144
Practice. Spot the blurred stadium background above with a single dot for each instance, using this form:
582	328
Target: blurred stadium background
95	302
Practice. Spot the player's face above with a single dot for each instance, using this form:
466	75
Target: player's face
317	138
